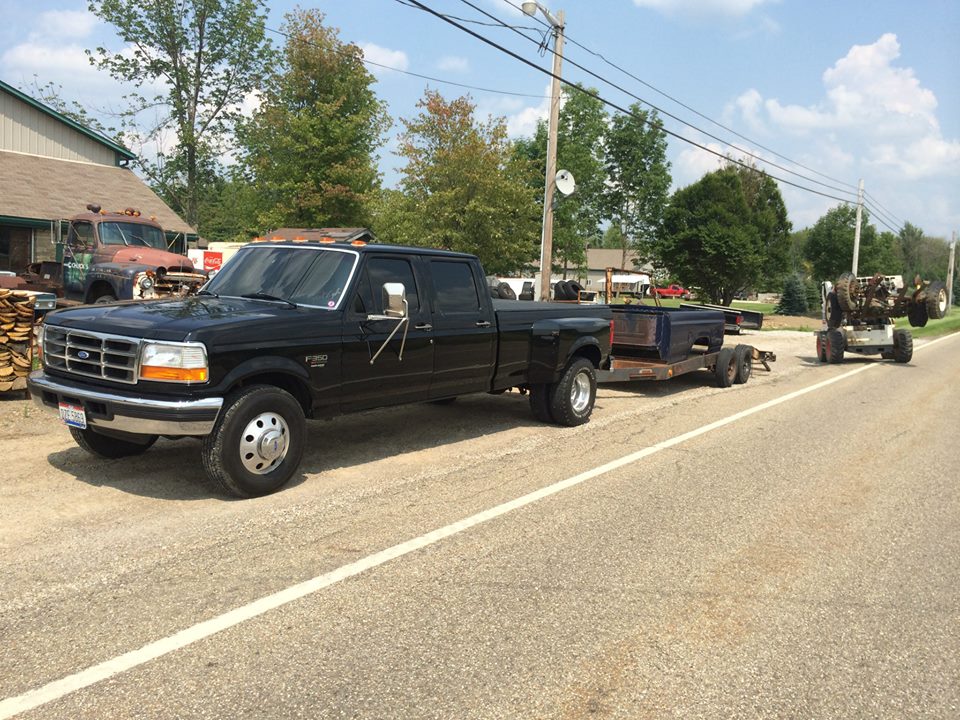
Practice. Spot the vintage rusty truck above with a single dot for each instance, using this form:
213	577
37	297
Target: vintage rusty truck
111	256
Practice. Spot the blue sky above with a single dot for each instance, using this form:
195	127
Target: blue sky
848	88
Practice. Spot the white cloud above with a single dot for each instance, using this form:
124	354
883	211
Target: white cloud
453	63
692	163
522	118
391	59
58	24
701	7
874	106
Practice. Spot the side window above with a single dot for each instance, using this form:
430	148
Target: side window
455	286
384	270
81	236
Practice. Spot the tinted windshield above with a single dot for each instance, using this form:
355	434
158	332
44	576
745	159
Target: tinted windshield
303	275
134	234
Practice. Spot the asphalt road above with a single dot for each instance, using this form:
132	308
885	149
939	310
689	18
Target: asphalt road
789	548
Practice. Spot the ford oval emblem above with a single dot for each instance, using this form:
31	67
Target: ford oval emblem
83	354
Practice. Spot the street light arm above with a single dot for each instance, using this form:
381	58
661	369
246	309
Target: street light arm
530	8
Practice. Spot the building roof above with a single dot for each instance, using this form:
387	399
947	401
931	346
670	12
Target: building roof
73	124
42	189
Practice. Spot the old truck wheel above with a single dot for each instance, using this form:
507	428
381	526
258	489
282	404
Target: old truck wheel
105	298
821	347
257	443
108	446
744	357
726	367
902	346
835	346
917	314
540	402
848	291
936	300
572	398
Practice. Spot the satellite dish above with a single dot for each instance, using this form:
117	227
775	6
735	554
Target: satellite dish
565	182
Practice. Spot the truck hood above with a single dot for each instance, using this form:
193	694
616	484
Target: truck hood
153	257
198	318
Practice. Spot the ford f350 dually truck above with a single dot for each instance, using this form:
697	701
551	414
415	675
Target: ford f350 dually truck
294	330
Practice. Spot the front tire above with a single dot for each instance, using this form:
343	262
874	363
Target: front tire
107	446
572	398
257	443
104	299
937	300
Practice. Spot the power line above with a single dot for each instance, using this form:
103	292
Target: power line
890	215
610	103
365	61
647	102
694	110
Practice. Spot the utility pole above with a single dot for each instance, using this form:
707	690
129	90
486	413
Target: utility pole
856	233
953	249
550	185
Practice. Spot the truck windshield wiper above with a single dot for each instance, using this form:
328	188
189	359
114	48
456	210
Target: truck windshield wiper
266	296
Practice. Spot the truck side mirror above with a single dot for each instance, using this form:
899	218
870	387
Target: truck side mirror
394	300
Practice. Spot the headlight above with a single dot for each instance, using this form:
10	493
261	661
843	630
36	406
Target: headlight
146	282
174	362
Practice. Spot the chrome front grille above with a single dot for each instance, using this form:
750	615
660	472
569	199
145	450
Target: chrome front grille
97	355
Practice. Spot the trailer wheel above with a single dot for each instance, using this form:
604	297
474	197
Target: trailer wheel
257	443
726	367
936	300
821	347
540	402
744	357
572	398
110	447
848	291
835	346
917	314
902	346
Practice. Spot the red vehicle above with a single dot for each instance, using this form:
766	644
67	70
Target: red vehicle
672	291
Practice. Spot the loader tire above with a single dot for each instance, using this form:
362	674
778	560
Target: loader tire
835	346
902	346
936	300
917	314
848	291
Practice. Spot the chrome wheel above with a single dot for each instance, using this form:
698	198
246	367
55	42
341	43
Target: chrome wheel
580	392
263	444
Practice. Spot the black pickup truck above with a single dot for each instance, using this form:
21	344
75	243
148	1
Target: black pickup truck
294	330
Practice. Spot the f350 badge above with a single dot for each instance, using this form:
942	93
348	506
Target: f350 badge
315	361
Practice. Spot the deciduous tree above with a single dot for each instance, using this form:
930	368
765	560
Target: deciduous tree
463	188
311	145
207	56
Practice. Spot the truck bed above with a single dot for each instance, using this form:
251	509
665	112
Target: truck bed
664	334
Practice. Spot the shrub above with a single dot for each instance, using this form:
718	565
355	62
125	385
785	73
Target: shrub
793	299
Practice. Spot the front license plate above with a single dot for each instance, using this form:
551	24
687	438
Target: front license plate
73	415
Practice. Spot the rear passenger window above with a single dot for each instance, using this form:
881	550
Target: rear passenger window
455	286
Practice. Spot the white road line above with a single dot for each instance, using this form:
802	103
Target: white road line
97	673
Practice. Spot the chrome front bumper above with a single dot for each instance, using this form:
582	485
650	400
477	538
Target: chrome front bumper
125	411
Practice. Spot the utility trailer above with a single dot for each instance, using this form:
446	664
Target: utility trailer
736	319
660	343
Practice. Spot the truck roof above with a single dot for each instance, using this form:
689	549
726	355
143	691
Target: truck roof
365	248
115	217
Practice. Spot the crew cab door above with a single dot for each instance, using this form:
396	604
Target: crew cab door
77	258
464	328
389	379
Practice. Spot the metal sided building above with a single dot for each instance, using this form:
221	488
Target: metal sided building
51	167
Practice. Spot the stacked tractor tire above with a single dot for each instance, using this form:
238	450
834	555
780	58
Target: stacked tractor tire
16	339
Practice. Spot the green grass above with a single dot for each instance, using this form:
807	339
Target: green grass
935	328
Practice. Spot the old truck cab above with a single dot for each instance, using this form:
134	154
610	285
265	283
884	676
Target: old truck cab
110	256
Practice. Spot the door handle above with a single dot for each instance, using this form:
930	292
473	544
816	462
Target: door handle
423	326
483	324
